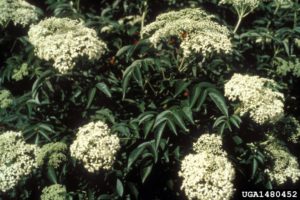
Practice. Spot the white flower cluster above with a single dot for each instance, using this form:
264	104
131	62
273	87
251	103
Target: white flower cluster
194	27
256	97
5	99
131	20
54	192
17	11
64	40
209	142
52	154
250	4
20	73
207	176
287	67
287	3
288	128
285	165
293	126
297	42
17	159
95	146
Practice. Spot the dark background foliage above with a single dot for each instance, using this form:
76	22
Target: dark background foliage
157	111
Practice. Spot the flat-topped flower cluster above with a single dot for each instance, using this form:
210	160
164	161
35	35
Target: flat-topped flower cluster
285	165
63	41
20	73
95	146
17	11
5	99
242	3
17	159
196	30
52	154
54	192
207	174
257	97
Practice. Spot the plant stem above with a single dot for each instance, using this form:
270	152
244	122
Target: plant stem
78	5
295	18
143	19
151	87
180	67
242	12
201	64
238	23
163	74
13	46
276	9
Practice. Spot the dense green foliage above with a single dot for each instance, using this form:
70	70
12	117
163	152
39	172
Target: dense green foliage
157	101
